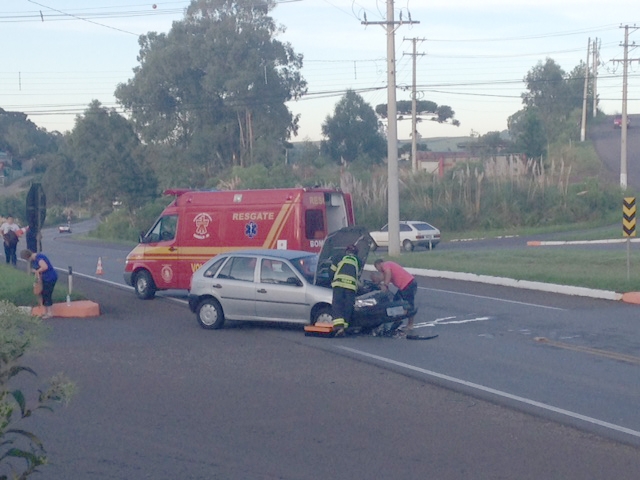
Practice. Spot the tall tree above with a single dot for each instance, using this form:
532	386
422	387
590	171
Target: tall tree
424	109
353	131
107	153
555	95
22	138
527	129
216	85
62	181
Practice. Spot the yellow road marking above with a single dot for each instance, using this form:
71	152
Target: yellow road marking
593	351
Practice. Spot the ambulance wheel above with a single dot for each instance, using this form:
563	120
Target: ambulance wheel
144	286
407	245
210	315
322	315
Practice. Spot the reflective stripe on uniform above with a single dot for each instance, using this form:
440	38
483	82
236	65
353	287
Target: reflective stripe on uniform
339	322
346	275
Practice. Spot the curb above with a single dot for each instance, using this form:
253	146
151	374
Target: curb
629	297
553	243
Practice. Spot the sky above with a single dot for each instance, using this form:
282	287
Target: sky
59	55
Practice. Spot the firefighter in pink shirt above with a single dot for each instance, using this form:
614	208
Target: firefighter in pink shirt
392	273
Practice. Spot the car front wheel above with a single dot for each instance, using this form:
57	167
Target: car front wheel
322	315
210	315
144	286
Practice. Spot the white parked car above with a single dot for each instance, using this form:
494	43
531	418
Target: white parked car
412	234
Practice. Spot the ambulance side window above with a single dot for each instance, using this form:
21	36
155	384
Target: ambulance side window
314	224
164	230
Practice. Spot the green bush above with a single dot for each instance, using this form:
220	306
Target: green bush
21	451
16	206
122	225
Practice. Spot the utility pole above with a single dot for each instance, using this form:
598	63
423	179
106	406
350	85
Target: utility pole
623	126
414	120
392	131
585	92
596	62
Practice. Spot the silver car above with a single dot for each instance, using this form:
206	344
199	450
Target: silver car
259	285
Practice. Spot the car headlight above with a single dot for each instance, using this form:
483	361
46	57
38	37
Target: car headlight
366	302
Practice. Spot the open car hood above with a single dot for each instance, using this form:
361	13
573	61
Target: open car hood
334	249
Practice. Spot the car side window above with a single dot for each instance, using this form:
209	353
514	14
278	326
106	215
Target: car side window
276	271
385	228
267	275
404	227
239	268
213	269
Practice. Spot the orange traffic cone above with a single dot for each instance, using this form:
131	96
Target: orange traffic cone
99	270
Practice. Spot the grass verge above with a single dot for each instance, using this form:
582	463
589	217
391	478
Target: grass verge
16	287
599	269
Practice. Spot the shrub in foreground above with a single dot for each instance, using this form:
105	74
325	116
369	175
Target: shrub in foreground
21	451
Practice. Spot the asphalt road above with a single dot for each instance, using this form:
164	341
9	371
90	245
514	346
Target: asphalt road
159	397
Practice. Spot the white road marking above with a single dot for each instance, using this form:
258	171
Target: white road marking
499	393
449	321
491	298
455	322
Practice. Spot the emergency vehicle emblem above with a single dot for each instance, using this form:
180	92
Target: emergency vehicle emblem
251	229
202	221
166	273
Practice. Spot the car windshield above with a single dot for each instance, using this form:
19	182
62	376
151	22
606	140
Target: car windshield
306	266
423	226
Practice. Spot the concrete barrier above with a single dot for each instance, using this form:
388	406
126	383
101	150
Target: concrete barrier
75	309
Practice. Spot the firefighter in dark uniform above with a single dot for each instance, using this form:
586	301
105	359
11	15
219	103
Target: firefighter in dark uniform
345	286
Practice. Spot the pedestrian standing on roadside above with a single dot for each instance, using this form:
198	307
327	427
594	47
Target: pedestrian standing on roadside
394	274
10	237
44	271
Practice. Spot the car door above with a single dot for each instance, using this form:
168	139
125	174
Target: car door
381	237
281	293
236	288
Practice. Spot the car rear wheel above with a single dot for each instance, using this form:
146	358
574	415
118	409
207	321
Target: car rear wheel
407	245
210	315
144	286
322	315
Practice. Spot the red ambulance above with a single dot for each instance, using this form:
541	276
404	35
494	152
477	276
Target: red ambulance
198	225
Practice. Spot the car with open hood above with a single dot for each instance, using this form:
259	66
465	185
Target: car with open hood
287	286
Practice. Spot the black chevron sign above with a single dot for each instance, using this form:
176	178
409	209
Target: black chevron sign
629	217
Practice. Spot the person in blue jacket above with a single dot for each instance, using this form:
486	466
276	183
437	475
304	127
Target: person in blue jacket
44	270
